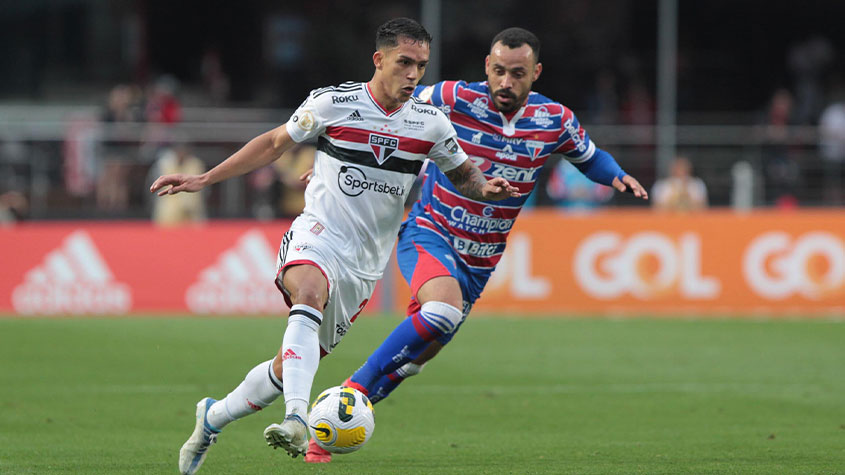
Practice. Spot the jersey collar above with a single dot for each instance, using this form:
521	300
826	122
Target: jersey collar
379	106
508	124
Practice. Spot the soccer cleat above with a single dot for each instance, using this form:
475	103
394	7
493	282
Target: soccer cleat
290	435
193	452
317	454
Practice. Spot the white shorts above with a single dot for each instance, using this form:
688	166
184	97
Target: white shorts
348	293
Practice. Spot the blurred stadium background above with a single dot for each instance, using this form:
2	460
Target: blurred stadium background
97	98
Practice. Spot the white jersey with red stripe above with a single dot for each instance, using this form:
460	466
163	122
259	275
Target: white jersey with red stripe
366	161
514	148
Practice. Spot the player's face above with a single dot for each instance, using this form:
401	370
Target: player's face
400	69
510	74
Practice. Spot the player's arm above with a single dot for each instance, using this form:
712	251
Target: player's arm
596	164
602	168
258	152
470	182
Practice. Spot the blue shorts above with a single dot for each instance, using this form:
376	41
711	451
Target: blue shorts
423	255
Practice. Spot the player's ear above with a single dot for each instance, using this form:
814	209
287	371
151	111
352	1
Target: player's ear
538	68
487	65
378	59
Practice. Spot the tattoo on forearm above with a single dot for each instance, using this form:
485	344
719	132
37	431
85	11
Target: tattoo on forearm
468	180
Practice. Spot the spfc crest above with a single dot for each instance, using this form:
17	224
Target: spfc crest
383	146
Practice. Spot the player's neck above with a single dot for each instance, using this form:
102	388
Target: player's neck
380	95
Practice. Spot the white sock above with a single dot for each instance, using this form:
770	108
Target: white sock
300	357
259	388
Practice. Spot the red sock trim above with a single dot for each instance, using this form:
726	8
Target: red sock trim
422	331
352	384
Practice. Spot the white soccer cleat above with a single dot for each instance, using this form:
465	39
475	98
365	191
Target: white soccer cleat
193	452
291	435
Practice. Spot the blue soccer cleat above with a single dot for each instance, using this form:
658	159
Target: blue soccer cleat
193	452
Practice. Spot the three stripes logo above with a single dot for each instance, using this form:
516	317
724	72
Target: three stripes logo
72	279
241	281
290	354
383	146
355	116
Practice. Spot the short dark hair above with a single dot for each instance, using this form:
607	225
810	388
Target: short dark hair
515	37
388	34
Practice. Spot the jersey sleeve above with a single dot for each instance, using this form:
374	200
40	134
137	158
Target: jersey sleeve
309	119
447	152
441	94
574	143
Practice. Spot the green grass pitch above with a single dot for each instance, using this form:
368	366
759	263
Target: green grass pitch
583	396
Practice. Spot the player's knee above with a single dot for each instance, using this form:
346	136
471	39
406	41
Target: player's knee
448	316
312	296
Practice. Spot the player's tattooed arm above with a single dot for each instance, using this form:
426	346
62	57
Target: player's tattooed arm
470	182
467	179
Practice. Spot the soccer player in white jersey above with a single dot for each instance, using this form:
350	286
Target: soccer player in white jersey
451	243
372	141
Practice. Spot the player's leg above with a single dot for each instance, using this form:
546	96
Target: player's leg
431	274
383	386
307	289
388	382
298	358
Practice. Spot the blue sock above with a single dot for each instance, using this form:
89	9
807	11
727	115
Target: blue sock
406	342
385	385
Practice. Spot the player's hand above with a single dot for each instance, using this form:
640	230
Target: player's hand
172	184
499	189
306	177
631	185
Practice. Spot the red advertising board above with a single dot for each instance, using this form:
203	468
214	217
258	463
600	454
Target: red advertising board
115	268
619	262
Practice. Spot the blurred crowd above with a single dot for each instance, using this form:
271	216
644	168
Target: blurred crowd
107	165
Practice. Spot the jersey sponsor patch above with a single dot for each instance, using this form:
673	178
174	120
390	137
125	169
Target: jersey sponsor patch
426	93
304	120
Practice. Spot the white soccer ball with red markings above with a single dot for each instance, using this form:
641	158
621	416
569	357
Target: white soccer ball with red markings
341	420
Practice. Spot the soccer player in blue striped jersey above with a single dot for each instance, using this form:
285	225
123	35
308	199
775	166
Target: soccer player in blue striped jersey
450	244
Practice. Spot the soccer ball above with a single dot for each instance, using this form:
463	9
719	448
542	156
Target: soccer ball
341	420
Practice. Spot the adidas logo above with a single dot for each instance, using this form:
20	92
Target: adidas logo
241	281
355	116
288	354
72	279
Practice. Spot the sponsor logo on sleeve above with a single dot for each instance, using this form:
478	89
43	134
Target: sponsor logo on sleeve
452	145
577	140
542	117
423	110
344	99
479	107
425	94
305	121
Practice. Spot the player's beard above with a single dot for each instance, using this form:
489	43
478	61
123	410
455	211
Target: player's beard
515	103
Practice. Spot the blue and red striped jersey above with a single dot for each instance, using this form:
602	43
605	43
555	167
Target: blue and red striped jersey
514	147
